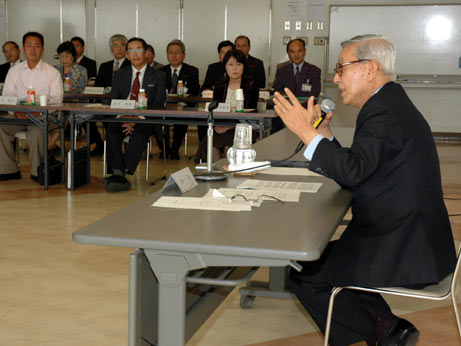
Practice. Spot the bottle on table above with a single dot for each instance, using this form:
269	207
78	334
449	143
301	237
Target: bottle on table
142	99
67	86
31	96
180	88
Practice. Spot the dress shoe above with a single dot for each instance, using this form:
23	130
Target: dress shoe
97	151
402	333
116	183
174	154
10	176
161	155
34	178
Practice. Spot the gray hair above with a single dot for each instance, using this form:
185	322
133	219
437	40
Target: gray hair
377	48
177	42
117	37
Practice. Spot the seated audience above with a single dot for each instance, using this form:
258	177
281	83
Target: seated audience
70	69
175	71
216	71
223	136
127	83
117	44
255	66
150	57
45	80
13	57
81	59
302	78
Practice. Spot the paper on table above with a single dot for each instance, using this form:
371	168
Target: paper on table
290	171
285	196
269	185
200	203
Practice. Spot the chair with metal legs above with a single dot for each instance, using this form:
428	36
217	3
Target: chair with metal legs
440	291
126	140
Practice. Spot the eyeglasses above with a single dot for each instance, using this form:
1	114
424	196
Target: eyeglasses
259	199
339	67
137	50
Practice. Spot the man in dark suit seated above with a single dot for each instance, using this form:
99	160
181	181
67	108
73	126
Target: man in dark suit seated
127	83
255	66
81	59
150	57
107	69
400	234
176	71
302	78
12	55
216	71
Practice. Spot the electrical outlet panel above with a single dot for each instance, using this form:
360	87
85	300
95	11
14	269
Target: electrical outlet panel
320	40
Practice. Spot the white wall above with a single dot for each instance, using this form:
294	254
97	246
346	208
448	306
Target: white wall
202	24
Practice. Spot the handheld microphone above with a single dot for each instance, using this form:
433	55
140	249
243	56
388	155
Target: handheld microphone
326	106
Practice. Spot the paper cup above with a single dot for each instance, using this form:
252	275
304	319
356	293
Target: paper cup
239	95
43	100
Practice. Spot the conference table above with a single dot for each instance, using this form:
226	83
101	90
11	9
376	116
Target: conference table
177	242
43	120
75	112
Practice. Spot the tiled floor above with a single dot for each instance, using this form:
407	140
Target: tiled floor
54	292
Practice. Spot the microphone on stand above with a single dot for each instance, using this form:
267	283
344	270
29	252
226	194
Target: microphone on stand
210	174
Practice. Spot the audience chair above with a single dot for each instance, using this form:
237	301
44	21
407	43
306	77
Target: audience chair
441	291
19	136
126	140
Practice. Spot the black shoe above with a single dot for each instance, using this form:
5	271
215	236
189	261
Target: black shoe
174	155
116	183
97	151
10	176
160	156
402	333
34	178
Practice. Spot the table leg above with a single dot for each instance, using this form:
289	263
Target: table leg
171	273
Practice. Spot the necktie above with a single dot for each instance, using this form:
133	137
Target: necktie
116	68
174	82
297	76
135	87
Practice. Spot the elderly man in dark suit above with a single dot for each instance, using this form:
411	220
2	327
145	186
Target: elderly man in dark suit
216	71
400	234
255	66
12	54
81	59
175	71
127	83
302	78
107	69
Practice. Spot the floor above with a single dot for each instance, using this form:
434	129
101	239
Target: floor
54	292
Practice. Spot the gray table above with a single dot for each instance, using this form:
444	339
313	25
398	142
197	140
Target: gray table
179	241
42	122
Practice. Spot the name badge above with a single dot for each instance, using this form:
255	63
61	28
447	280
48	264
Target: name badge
123	104
306	87
8	100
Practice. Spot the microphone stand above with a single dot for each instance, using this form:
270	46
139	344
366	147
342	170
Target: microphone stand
210	174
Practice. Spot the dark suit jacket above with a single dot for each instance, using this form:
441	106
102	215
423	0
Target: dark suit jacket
90	66
153	83
400	233
309	74
104	78
256	71
188	74
214	74
4	68
250	92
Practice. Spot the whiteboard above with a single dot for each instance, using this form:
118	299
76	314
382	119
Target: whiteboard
428	37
